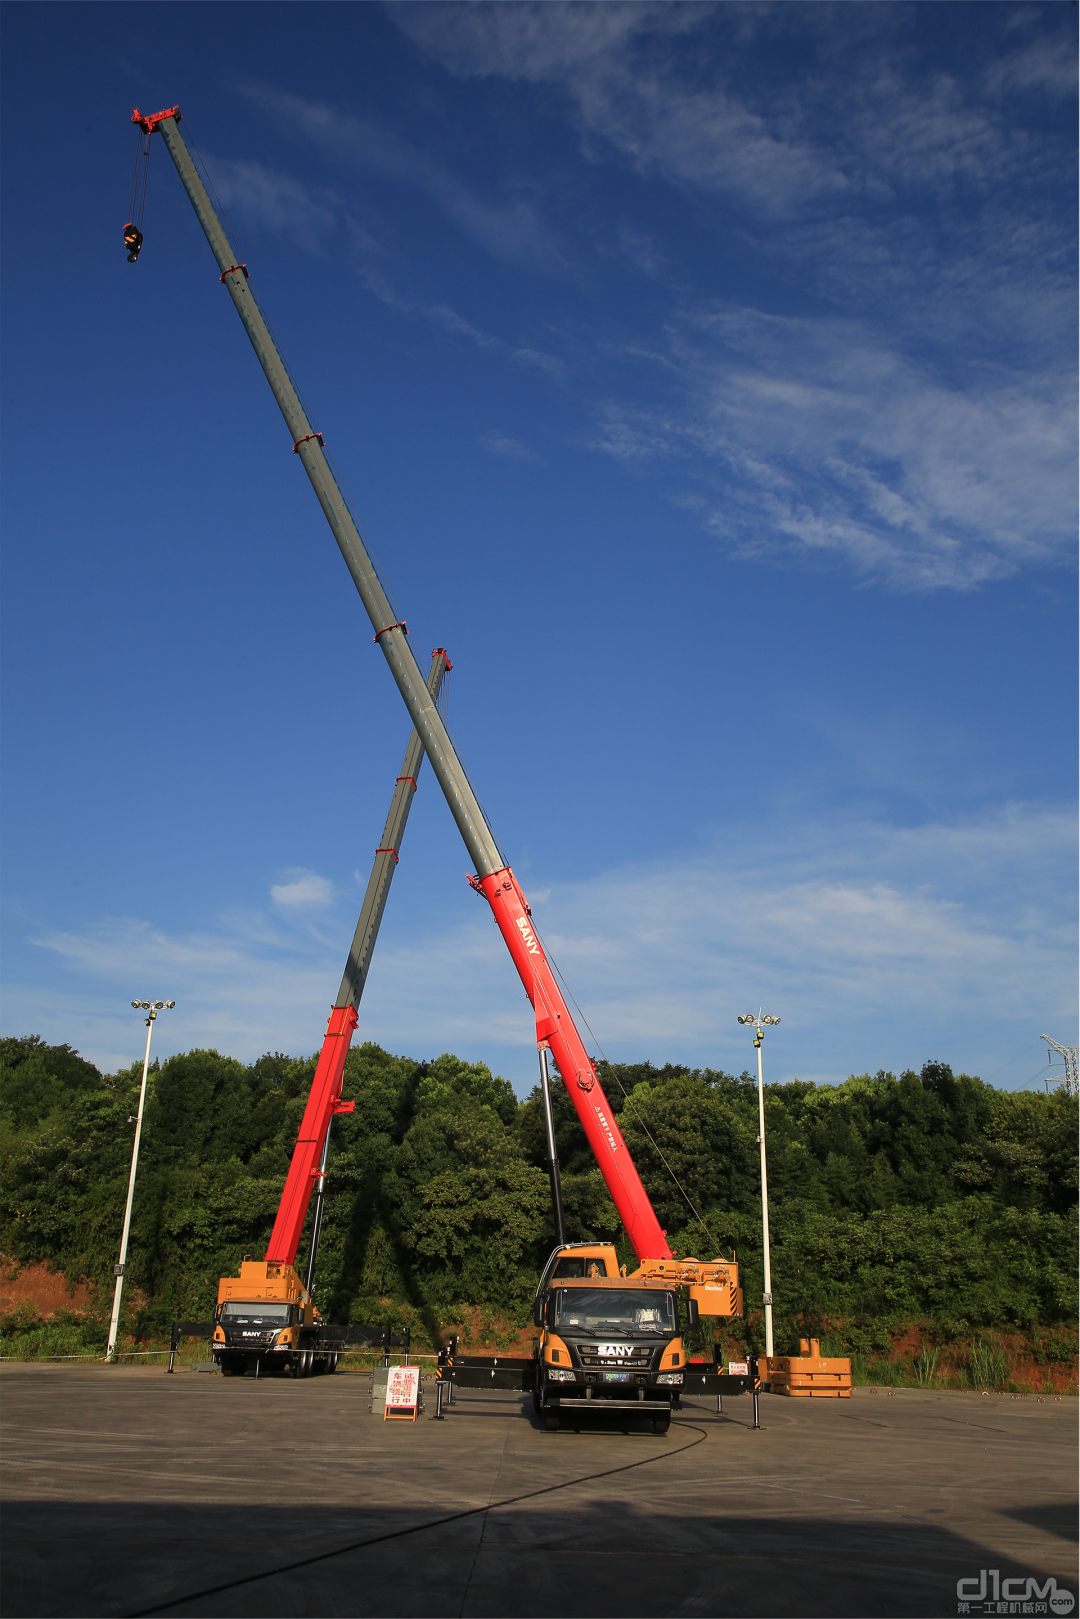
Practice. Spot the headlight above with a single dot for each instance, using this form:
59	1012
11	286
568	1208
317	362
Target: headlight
556	1375
670	1377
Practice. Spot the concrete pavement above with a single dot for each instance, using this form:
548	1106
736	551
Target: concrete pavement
130	1492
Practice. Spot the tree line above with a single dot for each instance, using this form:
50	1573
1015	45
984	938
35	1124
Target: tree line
928	1196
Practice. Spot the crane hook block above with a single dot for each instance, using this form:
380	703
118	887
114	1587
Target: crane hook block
133	240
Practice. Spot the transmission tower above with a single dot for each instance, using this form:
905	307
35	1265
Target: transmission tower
1071	1057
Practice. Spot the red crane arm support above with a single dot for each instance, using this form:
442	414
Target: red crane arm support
556	1029
323	1102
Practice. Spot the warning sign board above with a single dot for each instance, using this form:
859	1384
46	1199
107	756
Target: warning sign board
402	1393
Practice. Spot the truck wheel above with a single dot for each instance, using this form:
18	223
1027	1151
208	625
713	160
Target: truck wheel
231	1367
551	1422
331	1364
661	1424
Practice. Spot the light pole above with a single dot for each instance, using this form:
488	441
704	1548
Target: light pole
759	1035
151	1008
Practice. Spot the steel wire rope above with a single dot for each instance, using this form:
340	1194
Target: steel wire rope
416	1529
135	178
145	177
622	1087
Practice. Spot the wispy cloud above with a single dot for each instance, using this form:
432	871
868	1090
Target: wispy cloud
252	193
511	449
821	438
864	933
511	230
915	421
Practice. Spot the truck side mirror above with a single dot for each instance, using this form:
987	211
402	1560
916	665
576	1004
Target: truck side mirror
691	1314
538	1310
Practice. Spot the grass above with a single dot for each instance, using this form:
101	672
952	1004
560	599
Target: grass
25	1335
925	1367
987	1366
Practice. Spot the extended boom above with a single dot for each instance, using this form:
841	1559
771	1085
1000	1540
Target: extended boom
494	879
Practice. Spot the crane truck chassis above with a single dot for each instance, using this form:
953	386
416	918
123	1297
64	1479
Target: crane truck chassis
608	1343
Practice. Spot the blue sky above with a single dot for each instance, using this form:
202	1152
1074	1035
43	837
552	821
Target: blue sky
704	379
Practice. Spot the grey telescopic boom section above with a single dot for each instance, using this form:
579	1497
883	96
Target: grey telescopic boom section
307	443
371	915
386	856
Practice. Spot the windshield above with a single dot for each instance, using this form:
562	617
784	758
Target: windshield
603	1312
257	1311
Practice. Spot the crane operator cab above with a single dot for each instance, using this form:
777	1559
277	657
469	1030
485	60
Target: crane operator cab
607	1342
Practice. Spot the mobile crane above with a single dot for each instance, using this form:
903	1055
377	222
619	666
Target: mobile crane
713	1284
267	1314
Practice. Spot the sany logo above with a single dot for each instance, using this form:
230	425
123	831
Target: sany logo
974	1590
613	1351
605	1126
528	937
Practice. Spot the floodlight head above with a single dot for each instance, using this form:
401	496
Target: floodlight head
170	1003
137	1004
158	1005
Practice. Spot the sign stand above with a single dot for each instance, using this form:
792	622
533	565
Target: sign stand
402	1394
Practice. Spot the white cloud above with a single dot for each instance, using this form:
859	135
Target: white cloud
879	945
819	436
304	890
917	421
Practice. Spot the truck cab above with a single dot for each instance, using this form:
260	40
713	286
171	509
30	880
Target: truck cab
607	1342
265	1320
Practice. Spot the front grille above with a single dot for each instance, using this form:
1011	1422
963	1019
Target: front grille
626	1363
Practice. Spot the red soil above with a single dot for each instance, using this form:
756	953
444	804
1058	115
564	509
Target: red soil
44	1290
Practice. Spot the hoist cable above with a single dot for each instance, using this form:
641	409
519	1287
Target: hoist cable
135	177
145	176
622	1087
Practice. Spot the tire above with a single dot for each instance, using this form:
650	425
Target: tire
331	1364
661	1424
231	1367
538	1404
551	1422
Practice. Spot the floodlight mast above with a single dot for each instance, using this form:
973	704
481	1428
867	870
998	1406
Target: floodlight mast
494	879
151	1008
759	1034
